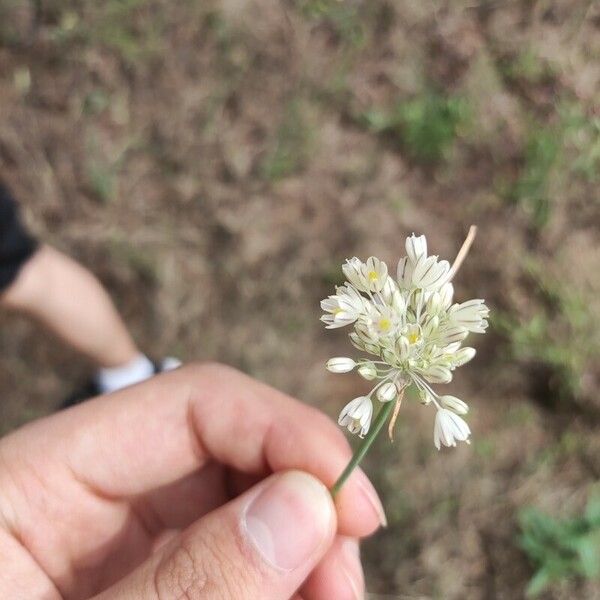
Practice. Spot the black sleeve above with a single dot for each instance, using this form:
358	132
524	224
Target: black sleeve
16	244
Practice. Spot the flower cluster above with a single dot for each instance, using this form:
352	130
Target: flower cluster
414	328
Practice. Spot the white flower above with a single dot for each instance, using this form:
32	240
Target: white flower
454	404
340	364
471	315
366	277
429	274
418	270
343	308
356	415
412	328
382	322
449	429
448	335
374	274
387	392
461	357
412	333
416	247
352	271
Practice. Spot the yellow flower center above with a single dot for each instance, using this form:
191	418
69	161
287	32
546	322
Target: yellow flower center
385	324
413	337
373	276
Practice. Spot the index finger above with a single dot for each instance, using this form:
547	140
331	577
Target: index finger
153	434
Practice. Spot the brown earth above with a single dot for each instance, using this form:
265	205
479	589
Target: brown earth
214	162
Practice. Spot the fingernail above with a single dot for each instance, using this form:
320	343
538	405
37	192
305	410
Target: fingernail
351	569
371	496
289	520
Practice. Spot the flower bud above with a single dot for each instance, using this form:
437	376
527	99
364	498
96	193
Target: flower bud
368	371
446	294
356	341
416	247
387	392
463	356
438	374
425	397
431	326
418	297
402	347
390	290
434	303
340	364
389	356
397	302
351	270
372	348
454	404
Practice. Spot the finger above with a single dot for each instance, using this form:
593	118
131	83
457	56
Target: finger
278	433
179	504
262	545
339	575
153	434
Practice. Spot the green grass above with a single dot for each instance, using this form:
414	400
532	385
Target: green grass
562	334
563	151
531	189
527	66
102	180
133	29
102	173
343	17
424	127
291	146
561	549
582	140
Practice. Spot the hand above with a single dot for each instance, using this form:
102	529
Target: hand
200	484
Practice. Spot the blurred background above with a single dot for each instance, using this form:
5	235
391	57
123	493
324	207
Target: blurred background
213	162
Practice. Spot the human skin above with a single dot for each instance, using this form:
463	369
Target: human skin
70	302
200	483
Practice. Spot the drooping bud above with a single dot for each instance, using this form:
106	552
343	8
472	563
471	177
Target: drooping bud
402	347
463	356
438	374
424	397
454	404
368	371
387	392
340	364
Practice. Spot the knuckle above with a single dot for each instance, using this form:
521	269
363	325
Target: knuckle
203	372
199	570
180	576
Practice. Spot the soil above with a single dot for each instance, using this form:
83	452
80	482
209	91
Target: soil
211	163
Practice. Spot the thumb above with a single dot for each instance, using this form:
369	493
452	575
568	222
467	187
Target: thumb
262	545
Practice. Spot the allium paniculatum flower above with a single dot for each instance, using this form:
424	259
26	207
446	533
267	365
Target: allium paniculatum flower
413	327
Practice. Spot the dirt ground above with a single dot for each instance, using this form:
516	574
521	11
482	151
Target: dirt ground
214	162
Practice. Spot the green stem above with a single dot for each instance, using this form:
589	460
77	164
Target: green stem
361	451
